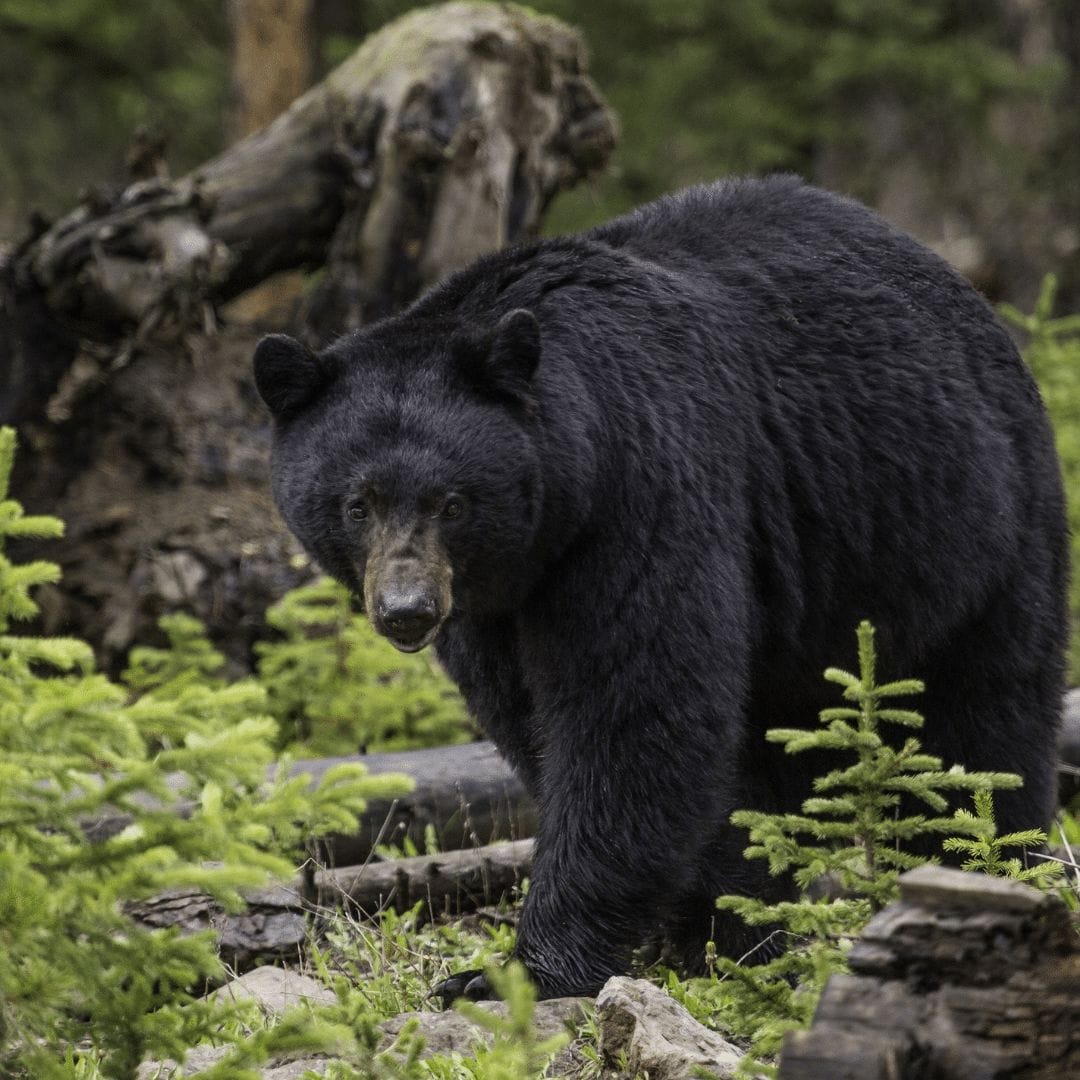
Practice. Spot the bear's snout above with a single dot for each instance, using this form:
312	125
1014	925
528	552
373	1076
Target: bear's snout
409	617
407	585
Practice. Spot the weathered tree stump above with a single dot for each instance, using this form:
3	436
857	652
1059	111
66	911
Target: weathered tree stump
966	978
444	137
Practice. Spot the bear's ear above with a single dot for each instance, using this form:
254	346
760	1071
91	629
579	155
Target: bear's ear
503	362
287	373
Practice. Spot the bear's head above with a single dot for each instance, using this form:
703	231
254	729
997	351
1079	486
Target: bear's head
404	461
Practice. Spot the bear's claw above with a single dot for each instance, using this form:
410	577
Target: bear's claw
472	985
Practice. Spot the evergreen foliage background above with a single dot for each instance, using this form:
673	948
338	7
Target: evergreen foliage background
1053	353
77	748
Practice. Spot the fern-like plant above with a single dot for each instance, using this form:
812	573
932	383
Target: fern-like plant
336	687
76	972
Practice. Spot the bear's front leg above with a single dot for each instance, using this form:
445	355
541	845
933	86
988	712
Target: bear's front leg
640	749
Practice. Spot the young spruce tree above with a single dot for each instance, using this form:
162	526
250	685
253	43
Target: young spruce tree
853	832
75	747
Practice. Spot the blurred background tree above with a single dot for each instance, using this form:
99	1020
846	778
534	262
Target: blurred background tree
848	92
78	77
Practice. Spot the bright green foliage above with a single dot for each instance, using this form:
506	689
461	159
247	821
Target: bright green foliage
379	971
852	832
985	850
336	687
189	658
853	829
517	1051
75	747
389	967
1053	353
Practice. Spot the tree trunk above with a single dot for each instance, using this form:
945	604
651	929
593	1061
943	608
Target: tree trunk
445	136
271	59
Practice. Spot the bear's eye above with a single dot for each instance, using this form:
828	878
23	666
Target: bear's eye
452	507
358	511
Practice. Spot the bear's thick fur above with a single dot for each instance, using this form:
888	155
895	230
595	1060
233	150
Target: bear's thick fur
640	485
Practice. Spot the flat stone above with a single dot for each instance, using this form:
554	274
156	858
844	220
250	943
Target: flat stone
943	887
275	990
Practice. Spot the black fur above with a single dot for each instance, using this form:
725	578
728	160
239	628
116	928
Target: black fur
759	415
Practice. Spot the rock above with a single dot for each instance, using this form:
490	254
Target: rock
965	978
275	990
205	1057
643	1027
451	1033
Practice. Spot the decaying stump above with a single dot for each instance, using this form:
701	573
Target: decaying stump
443	137
966	978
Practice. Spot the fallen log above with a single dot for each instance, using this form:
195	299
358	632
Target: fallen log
449	882
275	926
466	795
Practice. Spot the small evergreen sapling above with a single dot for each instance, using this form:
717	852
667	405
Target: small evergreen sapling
336	687
986	851
77	972
853	831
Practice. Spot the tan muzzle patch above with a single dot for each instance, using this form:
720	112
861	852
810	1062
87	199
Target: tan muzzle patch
407	583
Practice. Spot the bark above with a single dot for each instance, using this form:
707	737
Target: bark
966	978
273	928
271	59
444	137
450	882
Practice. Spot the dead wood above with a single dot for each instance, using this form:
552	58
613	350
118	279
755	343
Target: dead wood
465	796
449	882
272	928
444	137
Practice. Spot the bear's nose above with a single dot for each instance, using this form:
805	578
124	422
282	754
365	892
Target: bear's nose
408	616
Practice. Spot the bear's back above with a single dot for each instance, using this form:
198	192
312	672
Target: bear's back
781	228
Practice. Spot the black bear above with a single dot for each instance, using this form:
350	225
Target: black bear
640	485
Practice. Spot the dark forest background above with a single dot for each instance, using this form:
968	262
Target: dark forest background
958	118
